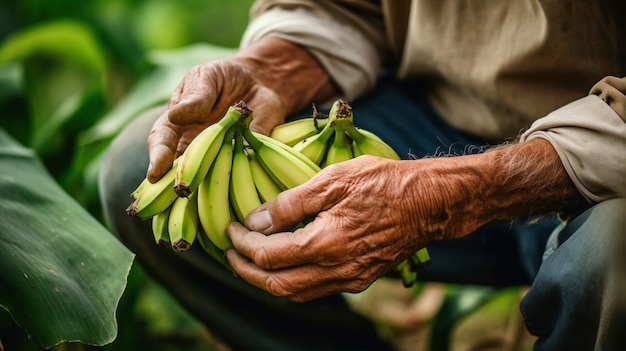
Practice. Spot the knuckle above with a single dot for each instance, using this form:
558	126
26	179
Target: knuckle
356	278
276	286
262	258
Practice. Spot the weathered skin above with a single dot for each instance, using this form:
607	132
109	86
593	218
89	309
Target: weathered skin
372	213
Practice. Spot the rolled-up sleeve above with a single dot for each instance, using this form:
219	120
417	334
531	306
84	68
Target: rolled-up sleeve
589	136
351	54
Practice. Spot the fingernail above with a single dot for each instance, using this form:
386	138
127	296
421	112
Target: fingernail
149	174
260	221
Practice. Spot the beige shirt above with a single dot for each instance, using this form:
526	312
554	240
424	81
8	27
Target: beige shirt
494	68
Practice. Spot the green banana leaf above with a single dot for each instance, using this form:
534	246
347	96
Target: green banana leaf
62	273
62	57
58	71
59	38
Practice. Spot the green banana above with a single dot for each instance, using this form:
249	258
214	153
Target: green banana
368	143
210	248
340	150
342	118
282	163
331	144
266	139
243	194
145	184
265	185
215	182
153	198
200	153
407	274
183	222
420	258
159	227
365	142
315	147
213	197
292	132
408	267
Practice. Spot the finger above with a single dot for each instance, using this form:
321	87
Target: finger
300	283
265	125
194	98
274	251
162	145
268	111
195	108
293	206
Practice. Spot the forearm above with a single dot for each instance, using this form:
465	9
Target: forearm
288	70
508	182
347	38
530	180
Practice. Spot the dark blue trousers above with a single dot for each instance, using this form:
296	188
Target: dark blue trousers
564	310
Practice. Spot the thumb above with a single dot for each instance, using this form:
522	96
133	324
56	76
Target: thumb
289	208
162	143
161	160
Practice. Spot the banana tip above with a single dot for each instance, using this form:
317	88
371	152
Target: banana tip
182	190
132	209
181	245
242	108
344	109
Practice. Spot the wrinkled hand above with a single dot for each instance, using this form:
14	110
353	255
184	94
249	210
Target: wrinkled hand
272	76
200	100
371	213
367	222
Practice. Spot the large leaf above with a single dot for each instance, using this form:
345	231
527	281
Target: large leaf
15	115
62	272
60	61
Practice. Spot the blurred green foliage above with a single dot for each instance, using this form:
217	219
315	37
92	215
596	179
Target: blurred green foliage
64	64
67	70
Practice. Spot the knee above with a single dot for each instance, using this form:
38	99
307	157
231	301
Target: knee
573	283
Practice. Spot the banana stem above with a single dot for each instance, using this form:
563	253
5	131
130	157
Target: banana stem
252	140
341	116
237	113
340	110
354	133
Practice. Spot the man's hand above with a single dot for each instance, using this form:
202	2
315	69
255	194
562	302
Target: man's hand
274	77
201	100
371	213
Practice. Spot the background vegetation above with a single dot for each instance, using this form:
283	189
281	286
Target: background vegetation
71	74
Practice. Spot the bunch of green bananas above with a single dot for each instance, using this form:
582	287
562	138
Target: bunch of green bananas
228	170
334	139
225	172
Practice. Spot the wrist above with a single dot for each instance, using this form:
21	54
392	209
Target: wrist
288	70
